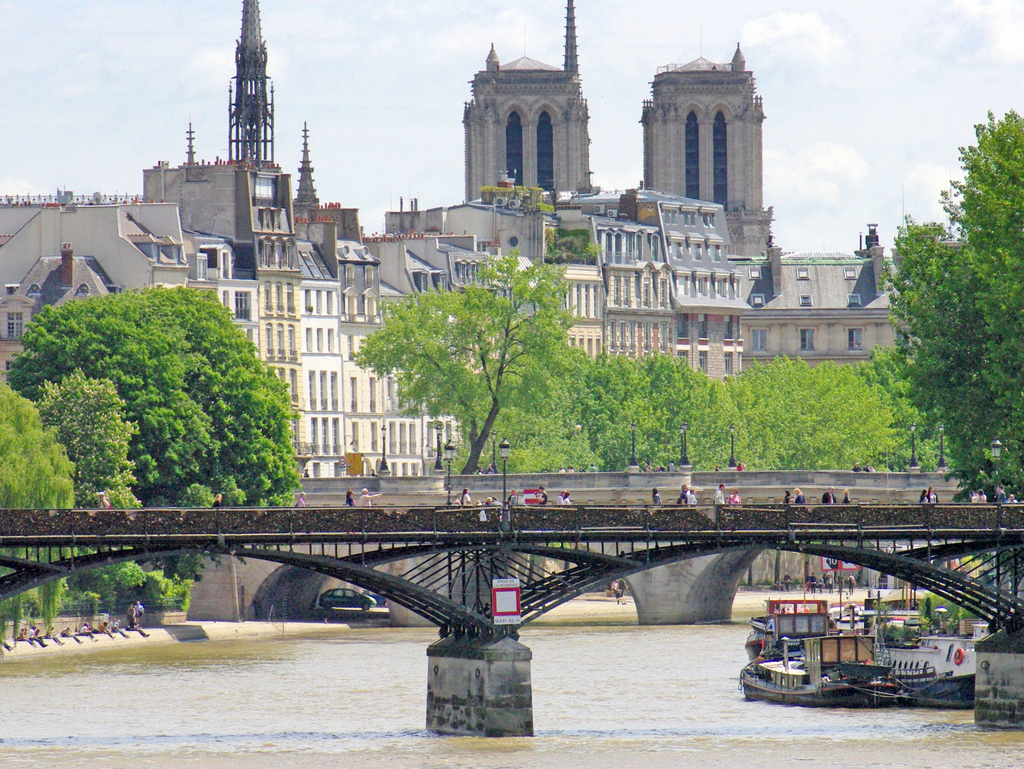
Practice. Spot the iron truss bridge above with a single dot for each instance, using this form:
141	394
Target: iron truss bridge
439	562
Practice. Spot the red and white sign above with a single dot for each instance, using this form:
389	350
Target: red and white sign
506	608
532	496
834	564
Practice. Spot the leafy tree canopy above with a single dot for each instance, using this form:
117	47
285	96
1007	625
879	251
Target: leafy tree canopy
472	353
88	416
961	305
207	410
34	469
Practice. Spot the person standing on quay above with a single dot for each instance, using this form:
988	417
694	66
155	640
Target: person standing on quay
655	497
720	494
829	497
301	501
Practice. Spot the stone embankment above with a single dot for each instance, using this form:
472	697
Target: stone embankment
190	632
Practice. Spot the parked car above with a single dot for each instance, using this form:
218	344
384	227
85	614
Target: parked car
341	598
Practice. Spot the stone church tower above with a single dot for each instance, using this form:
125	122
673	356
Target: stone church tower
528	121
702	139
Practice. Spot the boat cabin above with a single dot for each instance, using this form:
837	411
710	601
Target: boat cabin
838	652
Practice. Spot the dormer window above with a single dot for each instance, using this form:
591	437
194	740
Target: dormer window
805	300
850	273
34	290
853	300
83	290
802	273
757	300
755	273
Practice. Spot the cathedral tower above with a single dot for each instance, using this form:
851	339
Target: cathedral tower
251	133
529	121
702	139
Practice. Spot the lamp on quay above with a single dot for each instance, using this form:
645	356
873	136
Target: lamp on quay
997	450
632	449
449	455
942	450
504	448
383	448
913	447
684	457
732	447
439	425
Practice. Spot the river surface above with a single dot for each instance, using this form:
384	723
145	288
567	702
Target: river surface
619	696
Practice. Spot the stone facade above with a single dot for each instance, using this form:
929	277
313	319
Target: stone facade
816	306
528	121
702	140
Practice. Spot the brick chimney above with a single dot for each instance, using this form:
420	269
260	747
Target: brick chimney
67	265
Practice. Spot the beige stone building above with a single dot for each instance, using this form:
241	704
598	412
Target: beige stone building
702	140
528	121
816	306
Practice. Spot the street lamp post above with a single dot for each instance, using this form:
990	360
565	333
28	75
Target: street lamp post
997	450
732	447
632	449
383	449
437	461
504	448
449	455
684	457
913	447
942	450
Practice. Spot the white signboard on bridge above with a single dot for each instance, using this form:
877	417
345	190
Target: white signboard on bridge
834	564
506	608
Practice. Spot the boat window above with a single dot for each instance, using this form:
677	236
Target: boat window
949	653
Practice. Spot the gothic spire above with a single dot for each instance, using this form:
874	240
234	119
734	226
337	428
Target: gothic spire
572	63
251	133
306	197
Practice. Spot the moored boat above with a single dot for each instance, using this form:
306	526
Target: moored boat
835	671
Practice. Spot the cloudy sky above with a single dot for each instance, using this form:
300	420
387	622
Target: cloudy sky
867	102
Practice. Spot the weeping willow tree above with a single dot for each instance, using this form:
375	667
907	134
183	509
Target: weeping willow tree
34	473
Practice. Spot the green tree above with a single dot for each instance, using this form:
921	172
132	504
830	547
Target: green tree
88	416
34	469
961	306
207	410
472	353
797	417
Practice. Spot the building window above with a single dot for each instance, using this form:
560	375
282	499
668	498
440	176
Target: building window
692	150
373	395
806	339
295	386
15	325
243	308
850	273
757	300
760	339
291	341
727	362
805	300
720	159
201	271
373	436
802	273
755	273
266	298
730	325
354	389
270	340
291	298
545	152
312	390
853	300
854	341
514	148
702	321
702	361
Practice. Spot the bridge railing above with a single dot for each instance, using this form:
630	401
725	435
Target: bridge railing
149	523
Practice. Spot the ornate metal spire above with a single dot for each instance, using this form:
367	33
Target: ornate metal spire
190	157
306	198
572	63
251	137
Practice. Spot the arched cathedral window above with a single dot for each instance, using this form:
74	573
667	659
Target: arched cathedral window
545	152
692	157
514	148
720	159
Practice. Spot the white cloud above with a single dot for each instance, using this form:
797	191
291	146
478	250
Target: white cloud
925	182
794	35
820	176
1002	21
10	185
